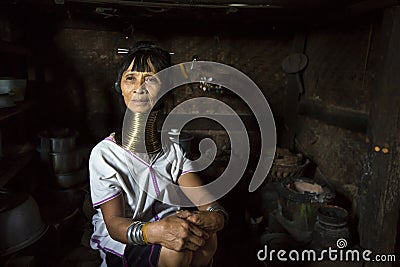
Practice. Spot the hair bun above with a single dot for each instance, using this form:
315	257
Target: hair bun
143	45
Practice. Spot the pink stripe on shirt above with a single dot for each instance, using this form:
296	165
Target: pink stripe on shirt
107	199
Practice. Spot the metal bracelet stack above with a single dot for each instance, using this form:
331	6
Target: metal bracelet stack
135	233
217	207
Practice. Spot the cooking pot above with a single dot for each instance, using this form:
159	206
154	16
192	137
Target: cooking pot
63	162
331	225
6	101
14	87
56	204
58	140
20	222
300	198
72	179
8	84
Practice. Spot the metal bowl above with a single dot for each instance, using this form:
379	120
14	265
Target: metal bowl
58	140
20	222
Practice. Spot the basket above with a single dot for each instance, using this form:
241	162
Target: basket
286	164
284	157
280	171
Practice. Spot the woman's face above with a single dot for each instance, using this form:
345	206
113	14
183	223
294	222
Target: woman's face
139	89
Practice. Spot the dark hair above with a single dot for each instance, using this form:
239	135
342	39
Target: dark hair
148	58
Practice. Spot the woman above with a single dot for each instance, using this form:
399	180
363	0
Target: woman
131	227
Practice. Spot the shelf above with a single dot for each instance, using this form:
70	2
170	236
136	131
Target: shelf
6	113
13	167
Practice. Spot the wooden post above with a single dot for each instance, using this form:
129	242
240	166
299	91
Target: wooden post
379	193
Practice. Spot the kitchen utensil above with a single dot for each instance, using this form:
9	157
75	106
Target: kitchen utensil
61	163
331	225
295	64
72	179
299	205
20	222
8	84
59	203
6	101
58	140
286	164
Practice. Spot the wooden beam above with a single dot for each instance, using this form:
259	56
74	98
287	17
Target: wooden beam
347	119
372	4
379	192
185	4
368	6
292	96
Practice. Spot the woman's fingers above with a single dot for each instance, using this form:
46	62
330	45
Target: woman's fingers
191	246
195	219
183	214
198	241
198	232
183	233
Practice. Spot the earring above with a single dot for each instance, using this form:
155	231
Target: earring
117	87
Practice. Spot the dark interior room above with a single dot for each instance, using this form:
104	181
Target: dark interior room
298	98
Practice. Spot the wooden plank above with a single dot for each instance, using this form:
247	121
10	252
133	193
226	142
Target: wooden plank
379	186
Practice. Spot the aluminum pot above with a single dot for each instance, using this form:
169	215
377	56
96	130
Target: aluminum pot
6	101
63	162
72	179
65	225
58	140
20	222
59	203
61	210
7	84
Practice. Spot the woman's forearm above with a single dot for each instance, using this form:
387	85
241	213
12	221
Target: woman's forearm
117	228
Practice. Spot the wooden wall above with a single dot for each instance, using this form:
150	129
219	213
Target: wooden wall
76	65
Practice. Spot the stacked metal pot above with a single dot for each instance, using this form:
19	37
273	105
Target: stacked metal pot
62	158
61	197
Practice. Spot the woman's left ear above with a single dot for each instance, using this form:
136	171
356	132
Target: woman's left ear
117	87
